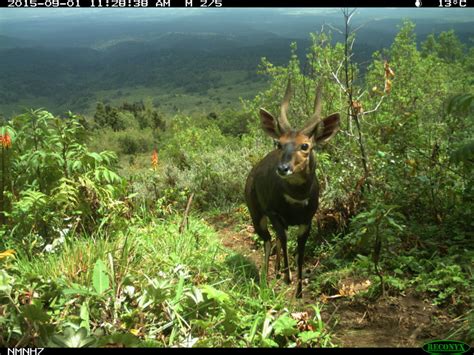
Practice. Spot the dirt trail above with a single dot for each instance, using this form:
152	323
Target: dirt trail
403	321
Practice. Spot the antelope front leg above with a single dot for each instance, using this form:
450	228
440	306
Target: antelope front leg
268	247
286	269
281	235
277	257
302	238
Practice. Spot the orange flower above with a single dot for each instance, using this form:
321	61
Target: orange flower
154	159
6	141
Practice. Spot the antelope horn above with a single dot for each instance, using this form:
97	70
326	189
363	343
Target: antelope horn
316	117
283	120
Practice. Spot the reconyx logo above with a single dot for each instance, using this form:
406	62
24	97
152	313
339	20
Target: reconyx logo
446	347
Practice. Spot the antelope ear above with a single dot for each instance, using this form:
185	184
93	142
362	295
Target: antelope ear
269	124
327	128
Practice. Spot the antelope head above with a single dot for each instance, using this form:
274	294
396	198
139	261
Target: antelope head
295	146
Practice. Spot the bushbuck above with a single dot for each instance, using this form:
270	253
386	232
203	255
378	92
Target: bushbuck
283	186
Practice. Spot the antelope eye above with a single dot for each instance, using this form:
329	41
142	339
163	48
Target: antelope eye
304	146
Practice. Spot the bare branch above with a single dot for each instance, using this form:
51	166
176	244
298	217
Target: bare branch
334	75
362	94
184	222
358	28
339	67
334	28
350	47
376	107
350	15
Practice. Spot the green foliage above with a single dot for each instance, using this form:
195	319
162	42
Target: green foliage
465	153
322	57
149	286
447	46
411	133
59	185
102	262
139	115
463	105
418	194
100	278
133	141
368	226
107	116
446	282
204	161
72	339
231	122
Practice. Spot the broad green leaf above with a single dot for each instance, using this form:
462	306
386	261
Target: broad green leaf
100	278
306	337
285	325
196	295
76	290
84	316
95	156
73	339
253	330
215	294
269	343
179	290
6	282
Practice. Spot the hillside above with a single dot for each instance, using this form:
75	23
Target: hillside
125	150
108	58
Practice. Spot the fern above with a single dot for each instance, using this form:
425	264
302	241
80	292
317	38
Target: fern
464	154
461	103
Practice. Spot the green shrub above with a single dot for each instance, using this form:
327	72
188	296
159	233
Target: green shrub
204	161
133	141
59	184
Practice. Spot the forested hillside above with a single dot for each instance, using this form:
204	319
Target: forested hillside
123	222
188	62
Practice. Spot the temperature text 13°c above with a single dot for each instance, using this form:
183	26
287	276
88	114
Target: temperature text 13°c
452	3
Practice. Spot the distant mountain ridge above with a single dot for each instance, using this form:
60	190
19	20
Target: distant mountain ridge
71	57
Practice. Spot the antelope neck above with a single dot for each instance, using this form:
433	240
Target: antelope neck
299	187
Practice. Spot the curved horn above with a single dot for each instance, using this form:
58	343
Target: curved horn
316	118
283	120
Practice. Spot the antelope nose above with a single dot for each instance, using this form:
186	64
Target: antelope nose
283	169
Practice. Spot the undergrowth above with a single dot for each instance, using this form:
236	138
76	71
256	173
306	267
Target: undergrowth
148	286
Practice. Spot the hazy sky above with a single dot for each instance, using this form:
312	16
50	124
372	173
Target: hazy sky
31	24
7	14
10	14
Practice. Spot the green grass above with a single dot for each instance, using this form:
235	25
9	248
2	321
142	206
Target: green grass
147	286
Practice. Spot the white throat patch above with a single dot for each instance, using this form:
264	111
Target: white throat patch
294	201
